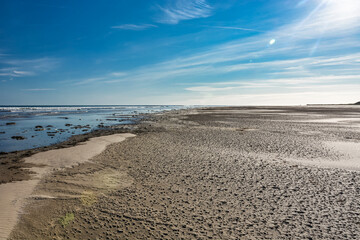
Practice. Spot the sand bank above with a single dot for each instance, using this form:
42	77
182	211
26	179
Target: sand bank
14	195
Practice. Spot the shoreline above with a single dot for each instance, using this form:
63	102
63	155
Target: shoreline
220	173
13	168
35	126
13	161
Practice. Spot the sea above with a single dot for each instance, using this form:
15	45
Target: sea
26	127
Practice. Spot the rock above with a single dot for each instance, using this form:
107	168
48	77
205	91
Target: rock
51	134
358	103
68	124
10	123
49	126
2	132
39	128
64	117
18	137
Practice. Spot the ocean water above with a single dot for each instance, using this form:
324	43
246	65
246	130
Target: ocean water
26	127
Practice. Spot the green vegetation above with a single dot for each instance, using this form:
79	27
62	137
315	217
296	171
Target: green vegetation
69	217
88	198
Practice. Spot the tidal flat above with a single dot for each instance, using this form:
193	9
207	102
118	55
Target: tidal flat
206	173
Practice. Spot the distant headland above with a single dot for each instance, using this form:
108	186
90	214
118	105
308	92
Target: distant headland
357	103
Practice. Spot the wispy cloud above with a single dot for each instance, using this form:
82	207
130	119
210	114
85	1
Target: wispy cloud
309	56
286	91
88	81
118	74
298	83
42	64
239	28
12	72
23	73
15	67
39	89
108	78
209	89
179	10
134	27
335	96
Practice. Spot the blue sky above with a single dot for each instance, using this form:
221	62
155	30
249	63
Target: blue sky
232	52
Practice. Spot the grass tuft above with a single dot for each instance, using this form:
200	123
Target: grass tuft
68	218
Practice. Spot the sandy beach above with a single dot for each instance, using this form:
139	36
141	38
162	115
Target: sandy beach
210	173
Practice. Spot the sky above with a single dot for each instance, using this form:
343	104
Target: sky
192	52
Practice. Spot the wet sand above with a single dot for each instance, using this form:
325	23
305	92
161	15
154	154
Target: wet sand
215	173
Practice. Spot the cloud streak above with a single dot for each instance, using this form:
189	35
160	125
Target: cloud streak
298	83
311	55
39	89
335	96
88	81
134	27
239	28
16	67
179	10
12	72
